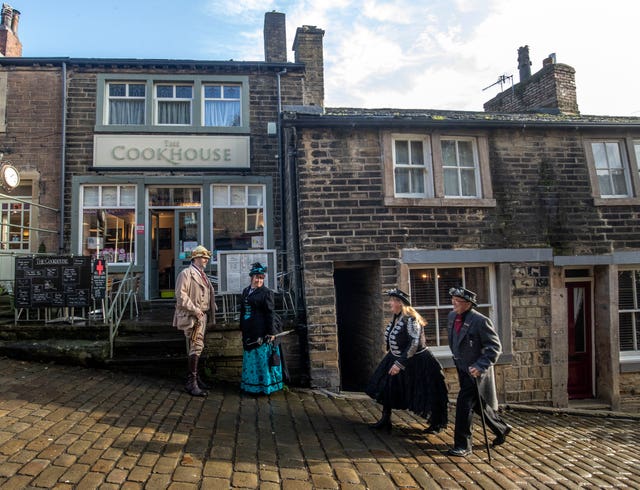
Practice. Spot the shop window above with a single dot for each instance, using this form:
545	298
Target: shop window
108	222
15	221
629	311
238	217
172	103
430	296
437	170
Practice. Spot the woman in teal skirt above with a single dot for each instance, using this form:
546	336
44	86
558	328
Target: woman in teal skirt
261	367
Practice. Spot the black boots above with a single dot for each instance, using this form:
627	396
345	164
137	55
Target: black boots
192	379
385	421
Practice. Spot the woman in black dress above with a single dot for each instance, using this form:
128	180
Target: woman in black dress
408	377
258	322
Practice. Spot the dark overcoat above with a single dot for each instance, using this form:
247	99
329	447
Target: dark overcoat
257	318
477	345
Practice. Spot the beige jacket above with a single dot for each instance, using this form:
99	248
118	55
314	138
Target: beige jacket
192	294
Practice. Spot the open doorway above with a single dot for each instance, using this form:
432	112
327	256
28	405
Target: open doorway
359	304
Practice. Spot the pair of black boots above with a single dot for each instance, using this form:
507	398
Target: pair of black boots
195	386
385	424
385	420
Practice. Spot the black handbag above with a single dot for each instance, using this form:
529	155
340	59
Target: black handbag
274	358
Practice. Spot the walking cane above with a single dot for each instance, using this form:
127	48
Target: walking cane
484	425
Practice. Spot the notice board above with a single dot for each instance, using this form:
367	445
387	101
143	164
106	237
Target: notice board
51	281
234	267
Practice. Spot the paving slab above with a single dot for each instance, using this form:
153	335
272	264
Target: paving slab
76	427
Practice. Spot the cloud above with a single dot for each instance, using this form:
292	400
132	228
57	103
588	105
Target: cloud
441	54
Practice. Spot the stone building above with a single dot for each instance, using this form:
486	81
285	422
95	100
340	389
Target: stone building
142	160
530	204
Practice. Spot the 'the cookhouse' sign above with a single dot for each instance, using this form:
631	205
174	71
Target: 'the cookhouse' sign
114	150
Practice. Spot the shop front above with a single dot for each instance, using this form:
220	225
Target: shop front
152	223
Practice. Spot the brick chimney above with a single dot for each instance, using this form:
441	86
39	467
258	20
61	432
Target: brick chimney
550	90
308	49
524	63
275	37
10	45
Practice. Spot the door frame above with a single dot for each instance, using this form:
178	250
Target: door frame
588	283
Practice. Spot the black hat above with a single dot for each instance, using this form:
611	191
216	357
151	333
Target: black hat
401	295
465	294
258	268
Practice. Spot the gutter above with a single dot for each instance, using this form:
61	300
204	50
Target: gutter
398	122
63	158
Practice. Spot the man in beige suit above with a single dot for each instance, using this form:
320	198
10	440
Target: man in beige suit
195	305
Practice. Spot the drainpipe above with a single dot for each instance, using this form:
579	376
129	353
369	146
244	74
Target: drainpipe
283	234
63	157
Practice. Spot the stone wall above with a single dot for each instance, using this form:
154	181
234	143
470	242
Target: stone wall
540	181
32	141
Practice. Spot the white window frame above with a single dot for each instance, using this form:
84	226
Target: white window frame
239	196
632	355
461	166
222	98
102	205
108	98
441	349
607	170
174	99
629	150
434	191
426	167
151	80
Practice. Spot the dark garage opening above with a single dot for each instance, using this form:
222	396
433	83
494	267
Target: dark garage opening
360	327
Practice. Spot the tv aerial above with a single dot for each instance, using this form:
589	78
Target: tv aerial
502	79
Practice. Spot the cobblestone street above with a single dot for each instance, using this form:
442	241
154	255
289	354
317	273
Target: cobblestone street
70	427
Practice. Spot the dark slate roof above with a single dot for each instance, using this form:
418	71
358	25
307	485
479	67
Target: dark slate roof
349	116
149	63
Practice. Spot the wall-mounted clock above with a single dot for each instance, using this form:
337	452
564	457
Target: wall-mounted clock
9	176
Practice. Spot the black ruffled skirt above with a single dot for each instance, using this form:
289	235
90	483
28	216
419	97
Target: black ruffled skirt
420	387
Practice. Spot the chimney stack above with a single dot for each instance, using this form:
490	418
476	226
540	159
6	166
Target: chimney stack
308	49
524	63
10	45
275	37
550	90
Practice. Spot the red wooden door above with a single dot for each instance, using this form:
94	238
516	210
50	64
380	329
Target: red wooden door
580	383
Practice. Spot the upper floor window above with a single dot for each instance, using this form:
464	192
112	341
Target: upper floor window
460	166
222	105
614	170
126	103
412	165
172	103
611	169
437	170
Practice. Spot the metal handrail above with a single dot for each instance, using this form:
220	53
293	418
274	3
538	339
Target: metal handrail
116	305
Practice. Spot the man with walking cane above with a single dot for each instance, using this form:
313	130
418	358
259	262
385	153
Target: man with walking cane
476	348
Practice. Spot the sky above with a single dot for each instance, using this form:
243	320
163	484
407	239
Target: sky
406	54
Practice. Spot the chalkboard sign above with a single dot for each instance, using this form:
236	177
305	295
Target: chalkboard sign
42	282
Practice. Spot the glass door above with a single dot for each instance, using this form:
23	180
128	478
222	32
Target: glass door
154	253
188	236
